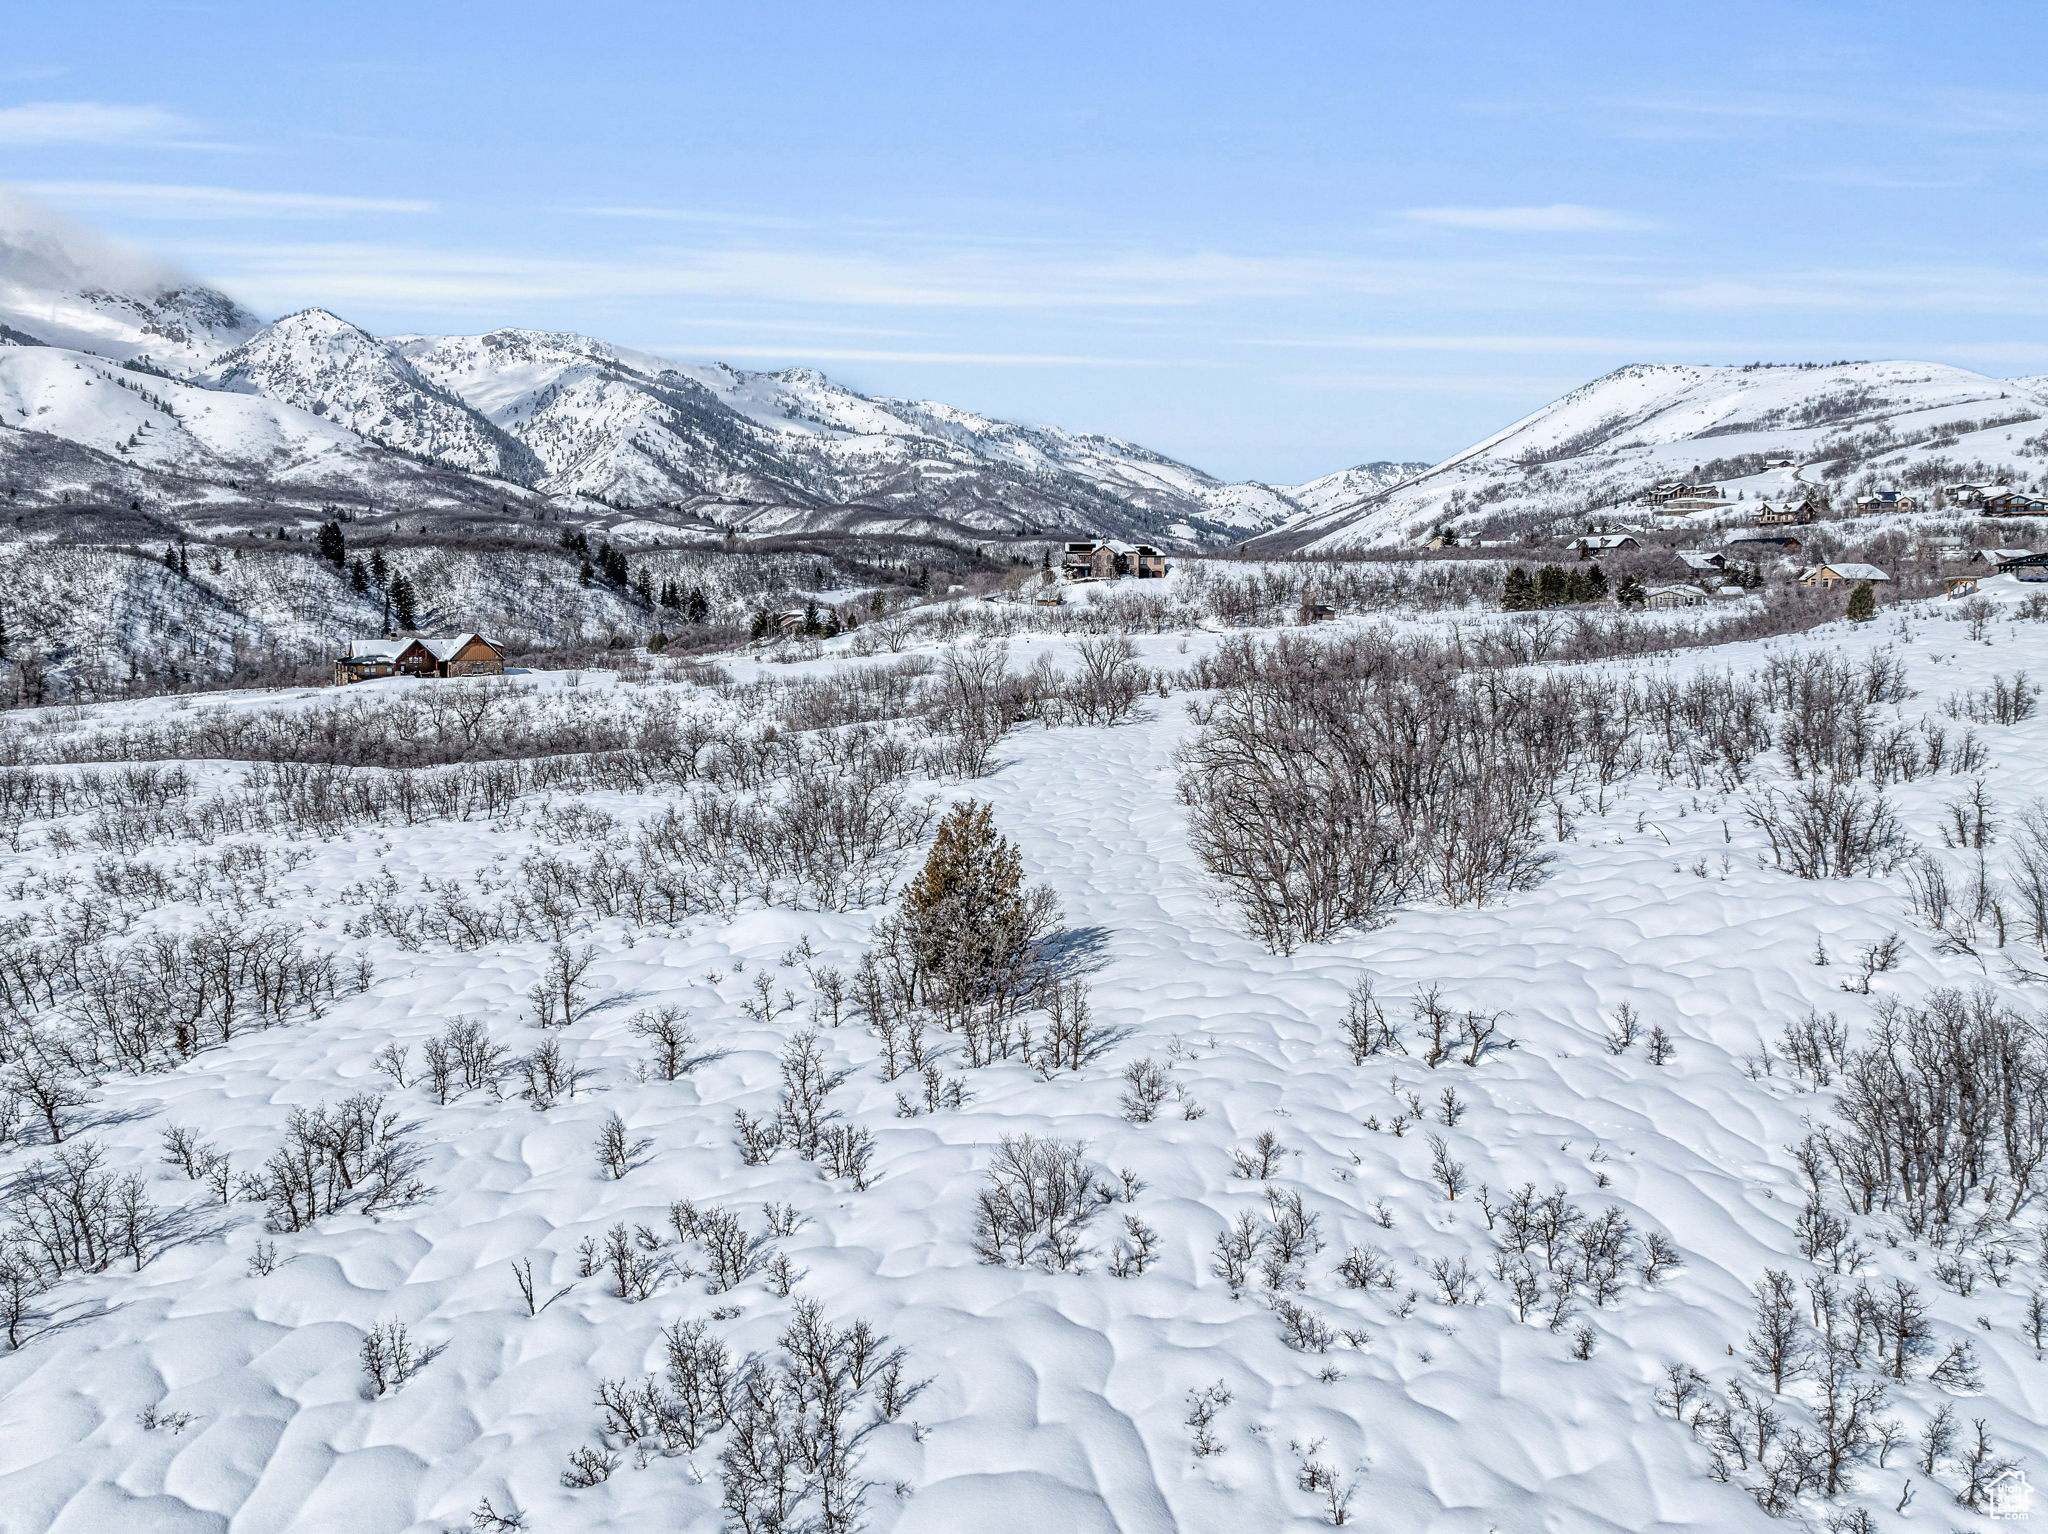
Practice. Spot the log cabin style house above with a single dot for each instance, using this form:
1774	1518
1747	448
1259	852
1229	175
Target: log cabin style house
419	655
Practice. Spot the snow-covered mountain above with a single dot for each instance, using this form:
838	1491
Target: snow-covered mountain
1349	486
324	365
61	285
566	417
1845	427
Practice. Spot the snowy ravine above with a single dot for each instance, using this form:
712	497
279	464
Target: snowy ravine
1056	1400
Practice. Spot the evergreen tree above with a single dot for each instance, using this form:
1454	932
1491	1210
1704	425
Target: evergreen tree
643	588
696	606
379	571
1629	592
404	603
584	574
761	623
1862	604
171	558
1596	585
1577	588
812	627
967	931
333	547
358	577
1517	592
1552	586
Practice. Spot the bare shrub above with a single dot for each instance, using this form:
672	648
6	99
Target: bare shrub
1829	828
1036	1202
354	1153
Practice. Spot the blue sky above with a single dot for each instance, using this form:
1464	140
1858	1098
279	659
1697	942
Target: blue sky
1270	239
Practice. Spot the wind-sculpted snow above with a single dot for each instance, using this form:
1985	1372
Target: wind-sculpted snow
219	1387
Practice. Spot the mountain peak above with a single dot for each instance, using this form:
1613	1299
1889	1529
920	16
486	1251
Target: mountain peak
68	286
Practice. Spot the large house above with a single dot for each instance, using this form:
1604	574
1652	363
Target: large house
1593	545
1784	516
1759	545
1887	500
1105	560
1676	489
419	655
1702	562
1661	597
1835	575
2013	503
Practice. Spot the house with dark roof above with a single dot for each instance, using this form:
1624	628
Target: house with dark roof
1105	559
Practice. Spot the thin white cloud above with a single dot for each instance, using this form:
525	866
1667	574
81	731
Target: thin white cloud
1548	218
96	122
691	216
1473	343
981	359
145	200
1946	290
928	276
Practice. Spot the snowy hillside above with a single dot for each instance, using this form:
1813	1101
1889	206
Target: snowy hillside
327	366
1847	428
551	1156
1347	487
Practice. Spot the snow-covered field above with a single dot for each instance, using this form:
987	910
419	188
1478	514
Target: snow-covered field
1070	1400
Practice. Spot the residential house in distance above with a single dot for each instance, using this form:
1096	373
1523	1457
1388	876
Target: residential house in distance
1703	563
1995	559
1783	516
1106	559
1886	500
1751	545
2013	503
419	655
1667	491
1593	545
1661	597
1780	463
1967	497
1835	575
1693	505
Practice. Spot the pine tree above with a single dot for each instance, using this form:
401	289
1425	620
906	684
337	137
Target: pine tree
404	603
1596	585
1517	592
967	931
1862	604
1552	586
1630	593
358	577
333	547
584	575
1577	588
379	572
696	606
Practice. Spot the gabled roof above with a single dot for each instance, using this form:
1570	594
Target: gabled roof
1602	540
379	649
1996	555
1848	572
448	646
1696	560
1679	588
